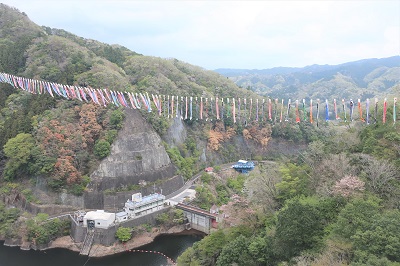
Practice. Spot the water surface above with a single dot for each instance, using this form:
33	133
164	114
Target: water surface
171	245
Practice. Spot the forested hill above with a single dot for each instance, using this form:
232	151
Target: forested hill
360	79
56	55
324	193
60	136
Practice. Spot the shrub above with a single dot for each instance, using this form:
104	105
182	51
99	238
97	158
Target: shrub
123	234
102	149
116	119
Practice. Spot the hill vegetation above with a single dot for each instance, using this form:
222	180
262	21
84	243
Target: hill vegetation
68	138
334	203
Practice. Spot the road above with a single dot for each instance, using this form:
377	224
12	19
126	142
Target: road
190	182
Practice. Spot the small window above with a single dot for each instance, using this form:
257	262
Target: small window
98	223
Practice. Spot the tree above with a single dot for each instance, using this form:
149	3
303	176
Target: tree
356	215
116	119
261	135
299	227
102	149
88	122
261	188
123	234
295	181
188	258
262	250
210	247
381	175
236	252
18	150
214	139
381	237
348	186
41	230
329	170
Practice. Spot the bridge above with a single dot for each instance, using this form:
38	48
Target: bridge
198	219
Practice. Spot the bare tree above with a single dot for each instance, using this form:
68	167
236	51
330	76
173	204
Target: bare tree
261	188
379	175
326	169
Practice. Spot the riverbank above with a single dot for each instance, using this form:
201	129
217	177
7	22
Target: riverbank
136	242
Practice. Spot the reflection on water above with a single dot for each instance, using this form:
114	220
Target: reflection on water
170	245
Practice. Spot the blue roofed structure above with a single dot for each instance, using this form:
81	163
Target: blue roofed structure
243	166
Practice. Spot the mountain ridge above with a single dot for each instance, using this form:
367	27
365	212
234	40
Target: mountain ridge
358	79
388	61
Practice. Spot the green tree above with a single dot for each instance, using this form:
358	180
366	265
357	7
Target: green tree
299	227
19	151
356	215
41	231
236	252
211	247
237	183
187	166
262	250
117	118
123	234
295	181
204	252
188	258
204	197
381	238
102	148
111	135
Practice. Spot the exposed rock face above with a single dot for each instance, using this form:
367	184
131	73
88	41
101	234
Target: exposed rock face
137	154
176	134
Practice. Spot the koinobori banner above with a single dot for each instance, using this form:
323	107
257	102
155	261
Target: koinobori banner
239	109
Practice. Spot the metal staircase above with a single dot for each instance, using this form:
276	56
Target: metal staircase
87	244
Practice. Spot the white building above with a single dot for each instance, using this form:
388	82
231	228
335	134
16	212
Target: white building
143	205
121	217
98	219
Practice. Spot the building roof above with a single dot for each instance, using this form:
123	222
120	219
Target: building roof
209	169
121	214
194	209
99	215
244	164
145	200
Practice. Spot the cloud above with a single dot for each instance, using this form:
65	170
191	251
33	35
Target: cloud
233	34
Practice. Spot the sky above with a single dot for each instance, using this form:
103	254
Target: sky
232	34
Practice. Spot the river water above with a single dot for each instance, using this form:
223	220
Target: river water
171	245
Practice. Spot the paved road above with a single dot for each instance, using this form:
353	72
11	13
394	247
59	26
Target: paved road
190	182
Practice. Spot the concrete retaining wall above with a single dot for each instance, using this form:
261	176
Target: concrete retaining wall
50	209
78	232
115	202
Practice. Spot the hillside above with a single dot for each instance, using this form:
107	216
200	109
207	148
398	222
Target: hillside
320	194
358	80
69	139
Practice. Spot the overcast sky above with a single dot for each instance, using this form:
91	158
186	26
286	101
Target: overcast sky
232	34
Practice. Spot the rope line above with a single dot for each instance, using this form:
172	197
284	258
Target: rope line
142	101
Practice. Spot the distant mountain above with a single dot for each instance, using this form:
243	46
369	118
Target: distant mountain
360	79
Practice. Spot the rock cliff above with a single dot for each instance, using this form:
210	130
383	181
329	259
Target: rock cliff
137	154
